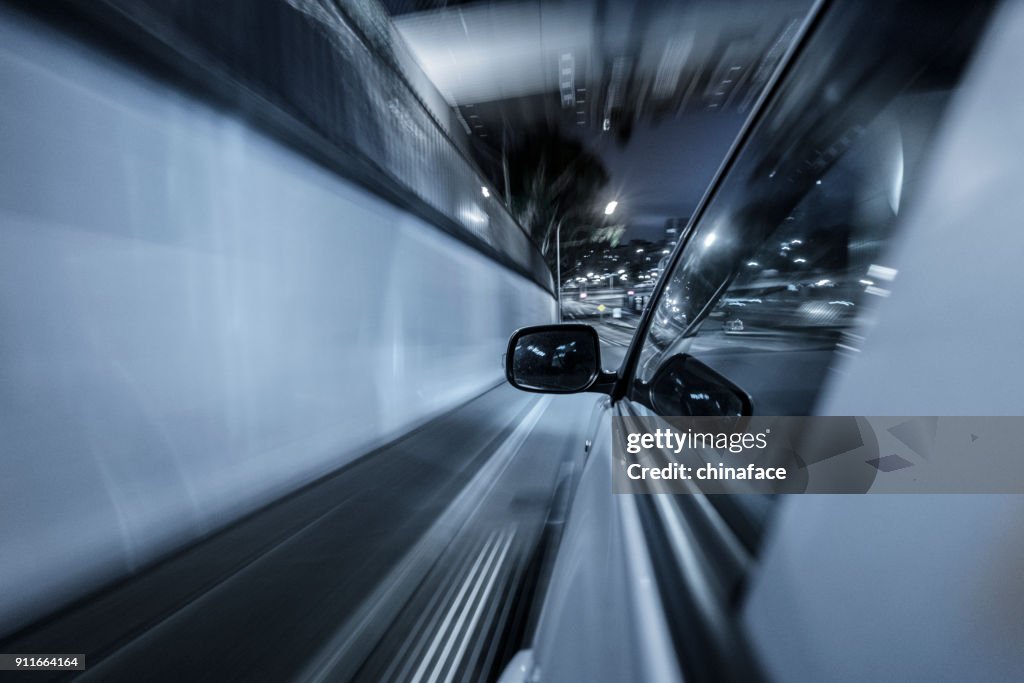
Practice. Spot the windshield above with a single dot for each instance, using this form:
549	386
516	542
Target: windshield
780	271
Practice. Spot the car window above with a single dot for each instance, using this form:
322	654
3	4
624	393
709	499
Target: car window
780	272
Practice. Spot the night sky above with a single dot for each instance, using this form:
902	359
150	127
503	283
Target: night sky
664	169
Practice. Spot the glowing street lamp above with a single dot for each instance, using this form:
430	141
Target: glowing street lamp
609	209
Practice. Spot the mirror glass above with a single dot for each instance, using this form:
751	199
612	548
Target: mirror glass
557	360
685	386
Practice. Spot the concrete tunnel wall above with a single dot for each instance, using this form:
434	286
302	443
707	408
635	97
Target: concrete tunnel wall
195	319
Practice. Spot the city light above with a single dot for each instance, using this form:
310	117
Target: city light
881	272
610	209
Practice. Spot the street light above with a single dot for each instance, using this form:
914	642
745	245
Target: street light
558	266
608	211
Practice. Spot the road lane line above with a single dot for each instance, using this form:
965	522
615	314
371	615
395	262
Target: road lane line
322	666
472	583
467	634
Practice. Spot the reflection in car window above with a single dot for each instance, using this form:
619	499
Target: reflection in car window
779	273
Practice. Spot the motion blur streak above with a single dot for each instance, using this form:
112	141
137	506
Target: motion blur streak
314	581
189	309
259	264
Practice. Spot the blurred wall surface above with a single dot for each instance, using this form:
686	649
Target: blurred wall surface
195	319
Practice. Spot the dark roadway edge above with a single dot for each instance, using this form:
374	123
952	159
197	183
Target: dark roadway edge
106	620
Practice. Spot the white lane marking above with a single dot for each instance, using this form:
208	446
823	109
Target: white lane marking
470	586
463	507
405	660
467	634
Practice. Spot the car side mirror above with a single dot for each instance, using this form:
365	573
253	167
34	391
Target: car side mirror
556	359
685	386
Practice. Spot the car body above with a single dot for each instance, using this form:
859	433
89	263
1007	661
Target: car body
885	152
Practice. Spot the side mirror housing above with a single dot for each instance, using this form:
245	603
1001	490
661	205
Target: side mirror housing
556	359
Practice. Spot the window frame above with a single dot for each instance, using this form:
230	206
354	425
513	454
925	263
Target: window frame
783	118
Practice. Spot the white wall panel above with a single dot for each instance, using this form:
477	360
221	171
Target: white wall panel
195	319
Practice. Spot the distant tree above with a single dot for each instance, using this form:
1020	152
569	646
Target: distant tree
553	179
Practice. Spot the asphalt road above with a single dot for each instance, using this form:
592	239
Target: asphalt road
416	562
616	336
